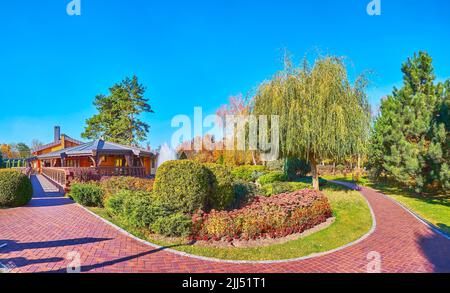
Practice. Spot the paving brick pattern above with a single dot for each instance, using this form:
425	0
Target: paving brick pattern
40	236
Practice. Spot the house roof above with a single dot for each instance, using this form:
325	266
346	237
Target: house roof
56	143
96	147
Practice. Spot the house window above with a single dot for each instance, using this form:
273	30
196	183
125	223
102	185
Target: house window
73	163
153	164
119	162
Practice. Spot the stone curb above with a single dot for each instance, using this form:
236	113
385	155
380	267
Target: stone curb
414	214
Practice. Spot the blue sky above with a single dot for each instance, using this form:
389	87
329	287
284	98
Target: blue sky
191	53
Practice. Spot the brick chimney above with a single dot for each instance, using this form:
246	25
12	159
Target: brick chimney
57	133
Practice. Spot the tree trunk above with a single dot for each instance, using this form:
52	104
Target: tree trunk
359	163
253	158
314	174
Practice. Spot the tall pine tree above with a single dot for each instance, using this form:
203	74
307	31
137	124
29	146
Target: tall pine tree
410	140
118	119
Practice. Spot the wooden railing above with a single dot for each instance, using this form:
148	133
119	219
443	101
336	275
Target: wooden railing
107	171
63	176
57	175
121	171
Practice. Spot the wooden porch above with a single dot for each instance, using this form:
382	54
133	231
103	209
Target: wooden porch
92	161
63	176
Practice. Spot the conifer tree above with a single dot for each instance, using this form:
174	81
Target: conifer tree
410	140
118	119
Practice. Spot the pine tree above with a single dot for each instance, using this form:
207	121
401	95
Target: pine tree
118	114
410	139
23	150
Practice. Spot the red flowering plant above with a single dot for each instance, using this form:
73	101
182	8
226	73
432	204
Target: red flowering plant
274	217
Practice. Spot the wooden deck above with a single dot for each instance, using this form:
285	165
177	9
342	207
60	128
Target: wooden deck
63	176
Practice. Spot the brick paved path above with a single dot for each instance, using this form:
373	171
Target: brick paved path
40	235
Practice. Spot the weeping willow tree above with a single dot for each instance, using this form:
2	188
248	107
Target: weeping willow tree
322	115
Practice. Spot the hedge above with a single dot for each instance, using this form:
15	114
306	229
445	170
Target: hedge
277	165
140	209
15	189
248	172
87	194
296	168
282	187
112	185
223	194
176	224
183	186
244	192
136	207
272	217
274	176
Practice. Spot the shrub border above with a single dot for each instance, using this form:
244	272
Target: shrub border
211	259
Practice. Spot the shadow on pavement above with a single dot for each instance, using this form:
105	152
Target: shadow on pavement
91	267
50	202
12	246
18	262
436	248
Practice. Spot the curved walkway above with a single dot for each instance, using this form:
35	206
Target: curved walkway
40	236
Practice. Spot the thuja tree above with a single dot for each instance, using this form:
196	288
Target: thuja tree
322	114
410	140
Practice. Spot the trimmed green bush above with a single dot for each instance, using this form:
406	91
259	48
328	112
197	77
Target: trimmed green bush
87	194
140	210
277	165
178	225
183	186
271	177
137	208
15	189
296	168
114	203
283	187
224	192
111	185
244	192
248	172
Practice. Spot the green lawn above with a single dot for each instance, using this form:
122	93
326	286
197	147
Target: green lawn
434	209
353	220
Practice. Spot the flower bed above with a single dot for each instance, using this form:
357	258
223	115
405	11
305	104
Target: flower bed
273	217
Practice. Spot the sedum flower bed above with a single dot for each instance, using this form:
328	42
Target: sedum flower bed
273	217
